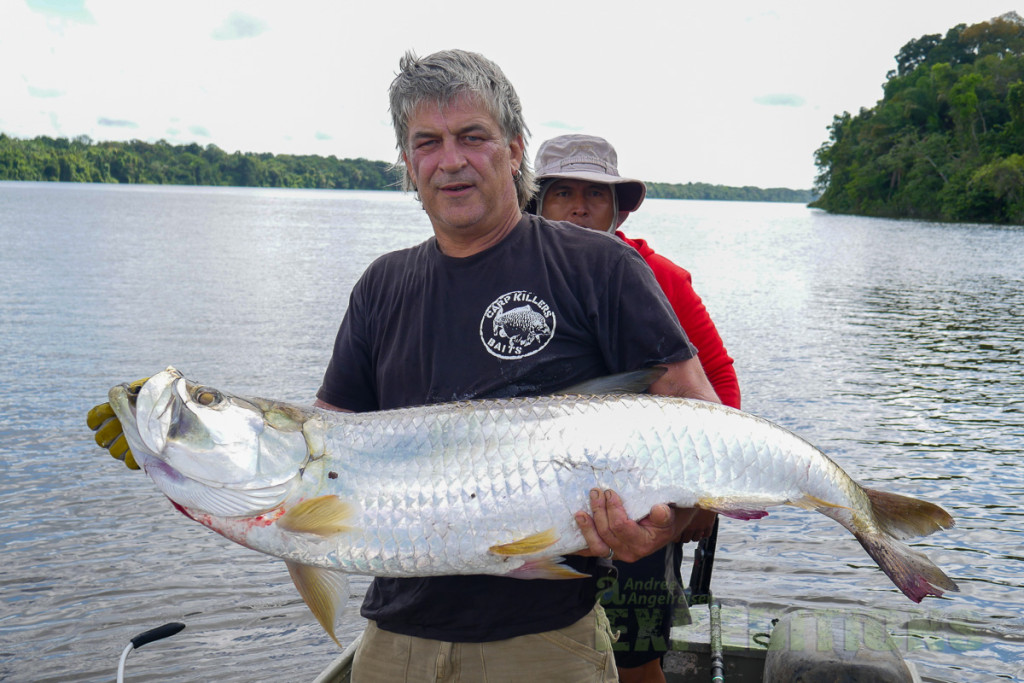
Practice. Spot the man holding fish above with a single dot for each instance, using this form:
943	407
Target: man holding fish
452	505
497	304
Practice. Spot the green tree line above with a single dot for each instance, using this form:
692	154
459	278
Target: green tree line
946	141
727	193
82	160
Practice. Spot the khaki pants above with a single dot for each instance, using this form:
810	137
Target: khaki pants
581	652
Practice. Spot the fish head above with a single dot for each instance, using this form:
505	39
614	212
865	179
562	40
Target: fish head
209	450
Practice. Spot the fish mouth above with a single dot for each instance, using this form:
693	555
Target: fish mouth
145	436
160	408
123	399
126	395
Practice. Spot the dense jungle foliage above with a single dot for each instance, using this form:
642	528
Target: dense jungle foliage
946	141
82	160
728	193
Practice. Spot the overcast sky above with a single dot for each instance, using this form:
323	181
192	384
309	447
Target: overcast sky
732	93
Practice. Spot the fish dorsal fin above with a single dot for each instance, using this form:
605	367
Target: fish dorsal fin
635	382
530	545
325	592
323	516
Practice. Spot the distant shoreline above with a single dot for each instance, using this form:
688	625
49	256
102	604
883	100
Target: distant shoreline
142	163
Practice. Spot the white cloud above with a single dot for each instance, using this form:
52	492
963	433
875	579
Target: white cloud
62	11
239	25
779	100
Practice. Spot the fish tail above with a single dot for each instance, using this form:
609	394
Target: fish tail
912	572
901	517
879	528
905	517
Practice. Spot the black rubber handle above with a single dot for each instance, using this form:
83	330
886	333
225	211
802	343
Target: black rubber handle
165	631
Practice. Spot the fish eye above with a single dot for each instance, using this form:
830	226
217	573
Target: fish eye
206	396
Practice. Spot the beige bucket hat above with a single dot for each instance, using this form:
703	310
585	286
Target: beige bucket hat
590	158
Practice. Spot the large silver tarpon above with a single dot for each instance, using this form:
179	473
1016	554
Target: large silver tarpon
483	487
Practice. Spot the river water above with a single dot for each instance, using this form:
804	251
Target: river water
895	346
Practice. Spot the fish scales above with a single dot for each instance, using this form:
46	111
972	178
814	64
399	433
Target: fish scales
471	468
487	486
480	484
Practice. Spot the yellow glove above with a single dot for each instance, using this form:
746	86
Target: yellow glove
109	433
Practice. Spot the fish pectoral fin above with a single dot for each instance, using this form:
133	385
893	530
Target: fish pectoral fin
323	516
325	592
546	568
530	545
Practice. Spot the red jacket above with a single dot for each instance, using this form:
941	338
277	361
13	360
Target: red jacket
678	287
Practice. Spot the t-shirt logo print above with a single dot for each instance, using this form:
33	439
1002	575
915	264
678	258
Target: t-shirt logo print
516	325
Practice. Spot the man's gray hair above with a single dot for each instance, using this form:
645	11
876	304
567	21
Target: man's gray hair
443	77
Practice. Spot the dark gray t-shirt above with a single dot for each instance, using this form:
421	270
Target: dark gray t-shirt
550	306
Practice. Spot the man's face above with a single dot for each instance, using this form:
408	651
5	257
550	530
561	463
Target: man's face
462	167
590	205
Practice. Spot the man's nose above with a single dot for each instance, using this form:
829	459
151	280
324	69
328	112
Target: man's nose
452	157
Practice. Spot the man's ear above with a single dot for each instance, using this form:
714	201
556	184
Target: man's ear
515	150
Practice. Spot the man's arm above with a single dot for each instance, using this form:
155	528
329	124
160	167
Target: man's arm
685	379
608	527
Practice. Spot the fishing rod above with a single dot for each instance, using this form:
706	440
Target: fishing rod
703	563
717	658
700	592
158	633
